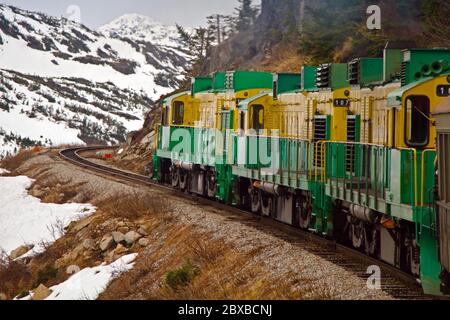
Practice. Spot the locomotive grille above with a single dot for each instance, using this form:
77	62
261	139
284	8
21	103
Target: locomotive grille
403	73
350	150
323	76
353	72
229	80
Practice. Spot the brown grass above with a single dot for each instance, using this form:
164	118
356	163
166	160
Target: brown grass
222	272
11	163
134	205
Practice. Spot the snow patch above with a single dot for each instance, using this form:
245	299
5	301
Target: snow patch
3	171
89	283
24	219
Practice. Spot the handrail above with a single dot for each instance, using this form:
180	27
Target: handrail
316	165
156	137
422	198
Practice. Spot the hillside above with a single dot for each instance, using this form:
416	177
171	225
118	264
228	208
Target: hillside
290	33
62	82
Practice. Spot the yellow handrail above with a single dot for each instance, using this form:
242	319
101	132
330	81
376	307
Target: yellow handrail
324	161
156	137
422	198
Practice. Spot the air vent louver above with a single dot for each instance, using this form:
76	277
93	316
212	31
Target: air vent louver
324	76
353	72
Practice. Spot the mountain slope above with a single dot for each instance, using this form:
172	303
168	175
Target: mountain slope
51	111
61	82
37	44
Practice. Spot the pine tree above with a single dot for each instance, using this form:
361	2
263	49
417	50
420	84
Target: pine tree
246	15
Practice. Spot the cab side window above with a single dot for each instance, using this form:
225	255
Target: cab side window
165	116
178	113
242	120
258	118
417	124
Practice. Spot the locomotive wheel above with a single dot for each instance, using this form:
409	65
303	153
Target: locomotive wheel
304	216
255	199
357	234
174	176
266	204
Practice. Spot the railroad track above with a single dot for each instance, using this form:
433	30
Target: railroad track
393	281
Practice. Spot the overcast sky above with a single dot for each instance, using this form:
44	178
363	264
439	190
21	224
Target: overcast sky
95	13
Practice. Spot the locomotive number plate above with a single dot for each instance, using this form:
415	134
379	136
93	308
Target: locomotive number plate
443	90
341	102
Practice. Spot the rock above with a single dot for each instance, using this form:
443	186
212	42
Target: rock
120	249
123	229
131	237
89	244
78	226
3	297
41	293
118	237
143	242
120	224
115	254
143	231
20	251
72	269
106	243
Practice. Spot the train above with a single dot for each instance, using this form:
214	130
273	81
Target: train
357	152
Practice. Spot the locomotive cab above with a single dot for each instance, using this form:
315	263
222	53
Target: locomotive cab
442	116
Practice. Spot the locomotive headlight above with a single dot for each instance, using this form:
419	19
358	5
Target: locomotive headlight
346	93
448	79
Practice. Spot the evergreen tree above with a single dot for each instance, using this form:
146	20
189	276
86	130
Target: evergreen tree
246	15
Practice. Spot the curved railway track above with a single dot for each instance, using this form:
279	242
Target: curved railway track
393	281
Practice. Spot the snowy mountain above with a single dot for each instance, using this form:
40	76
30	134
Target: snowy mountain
51	111
63	82
139	27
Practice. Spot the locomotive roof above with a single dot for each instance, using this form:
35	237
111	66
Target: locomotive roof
243	105
395	97
175	96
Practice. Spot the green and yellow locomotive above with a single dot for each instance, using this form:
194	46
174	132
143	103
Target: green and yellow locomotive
347	151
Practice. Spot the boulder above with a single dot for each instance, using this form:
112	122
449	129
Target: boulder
3	296
89	244
131	237
20	251
41	293
120	249
72	269
115	254
118	237
143	242
106	243
80	225
123	229
143	231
